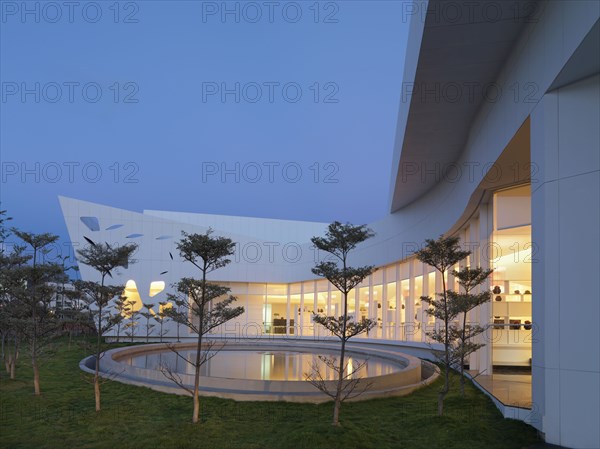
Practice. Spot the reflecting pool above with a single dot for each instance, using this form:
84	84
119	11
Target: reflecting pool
261	365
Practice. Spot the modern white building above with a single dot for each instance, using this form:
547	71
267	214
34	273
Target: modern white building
498	142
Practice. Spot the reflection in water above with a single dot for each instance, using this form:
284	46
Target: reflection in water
258	365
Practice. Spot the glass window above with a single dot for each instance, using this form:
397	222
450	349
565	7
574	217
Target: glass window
511	258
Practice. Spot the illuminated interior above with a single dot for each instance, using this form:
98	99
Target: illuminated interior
156	287
391	296
511	259
134	302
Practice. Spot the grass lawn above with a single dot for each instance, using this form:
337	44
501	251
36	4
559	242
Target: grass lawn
135	417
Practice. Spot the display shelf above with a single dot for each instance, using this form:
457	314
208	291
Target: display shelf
512	308
512	297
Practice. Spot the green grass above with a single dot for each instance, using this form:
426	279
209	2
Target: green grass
133	417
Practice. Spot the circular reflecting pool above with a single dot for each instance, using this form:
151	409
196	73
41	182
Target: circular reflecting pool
266	365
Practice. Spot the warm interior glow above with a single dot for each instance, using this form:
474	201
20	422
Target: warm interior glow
156	287
133	297
161	308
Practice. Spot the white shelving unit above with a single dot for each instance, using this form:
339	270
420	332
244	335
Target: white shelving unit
511	336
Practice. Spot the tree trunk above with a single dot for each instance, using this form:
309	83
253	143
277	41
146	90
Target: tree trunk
444	391
462	355
441	396
338	394
97	391
13	360
33	347
36	376
97	382
196	414
199	349
197	373
98	348
446	388
336	412
13	367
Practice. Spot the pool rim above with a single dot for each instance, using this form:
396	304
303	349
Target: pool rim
398	383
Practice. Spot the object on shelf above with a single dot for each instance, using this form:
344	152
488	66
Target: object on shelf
527	292
517	292
402	306
497	290
498	298
527	326
379	305
499	322
515	324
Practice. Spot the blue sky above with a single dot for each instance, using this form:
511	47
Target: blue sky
125	108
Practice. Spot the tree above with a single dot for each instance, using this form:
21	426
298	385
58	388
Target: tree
163	314
339	240
204	312
105	259
12	312
72	315
178	312
442	254
34	287
121	307
131	313
148	315
9	330
463	302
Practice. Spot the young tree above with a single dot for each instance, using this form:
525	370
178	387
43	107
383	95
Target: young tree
463	302
442	254
131	313
10	318
35	291
204	312
161	316
79	320
178	312
105	259
121	308
148	315
10	262
339	240
12	311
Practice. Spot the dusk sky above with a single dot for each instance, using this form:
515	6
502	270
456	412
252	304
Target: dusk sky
131	114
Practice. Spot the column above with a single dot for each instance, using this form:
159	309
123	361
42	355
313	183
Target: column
384	305
409	324
397	334
485	310
301	314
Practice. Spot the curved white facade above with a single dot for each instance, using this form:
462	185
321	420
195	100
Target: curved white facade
543	131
